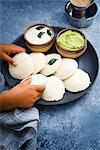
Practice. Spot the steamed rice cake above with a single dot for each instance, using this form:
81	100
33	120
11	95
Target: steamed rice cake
24	66
38	79
79	81
53	62
39	61
67	68
54	89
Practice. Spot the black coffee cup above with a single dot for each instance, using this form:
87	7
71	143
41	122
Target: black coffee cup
80	12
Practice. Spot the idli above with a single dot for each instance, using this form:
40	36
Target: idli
79	81
24	66
67	68
53	62
38	79
39	61
54	89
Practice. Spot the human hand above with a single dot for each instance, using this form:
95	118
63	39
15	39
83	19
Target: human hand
7	49
22	95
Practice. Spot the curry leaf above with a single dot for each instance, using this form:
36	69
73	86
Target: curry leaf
39	27
49	33
40	34
52	61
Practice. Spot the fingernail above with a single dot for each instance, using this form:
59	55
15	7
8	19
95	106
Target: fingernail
14	63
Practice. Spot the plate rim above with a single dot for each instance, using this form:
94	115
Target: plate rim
54	103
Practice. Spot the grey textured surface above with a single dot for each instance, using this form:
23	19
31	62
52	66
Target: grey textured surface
74	126
18	129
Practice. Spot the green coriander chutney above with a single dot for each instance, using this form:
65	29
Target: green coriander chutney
71	40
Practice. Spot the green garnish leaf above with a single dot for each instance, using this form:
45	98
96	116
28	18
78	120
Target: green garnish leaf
40	34
39	27
52	61
49	33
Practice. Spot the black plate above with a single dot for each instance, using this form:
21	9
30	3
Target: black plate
88	62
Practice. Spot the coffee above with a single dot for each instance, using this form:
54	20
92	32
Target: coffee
81	3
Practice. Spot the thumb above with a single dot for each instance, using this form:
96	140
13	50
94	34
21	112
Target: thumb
39	88
9	59
27	81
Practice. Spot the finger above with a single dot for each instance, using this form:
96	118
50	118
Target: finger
16	49
9	59
39	94
36	99
27	81
39	88
12	48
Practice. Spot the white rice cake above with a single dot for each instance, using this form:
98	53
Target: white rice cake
39	61
24	66
79	81
38	79
67	68
54	89
53	62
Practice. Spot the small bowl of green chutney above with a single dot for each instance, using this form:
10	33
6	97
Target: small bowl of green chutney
71	43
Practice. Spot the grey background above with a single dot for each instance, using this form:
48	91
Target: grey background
74	126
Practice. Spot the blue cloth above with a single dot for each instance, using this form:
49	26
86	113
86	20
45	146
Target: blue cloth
73	126
2	81
18	127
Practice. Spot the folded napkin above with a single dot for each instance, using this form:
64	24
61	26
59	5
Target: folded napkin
2	80
18	127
